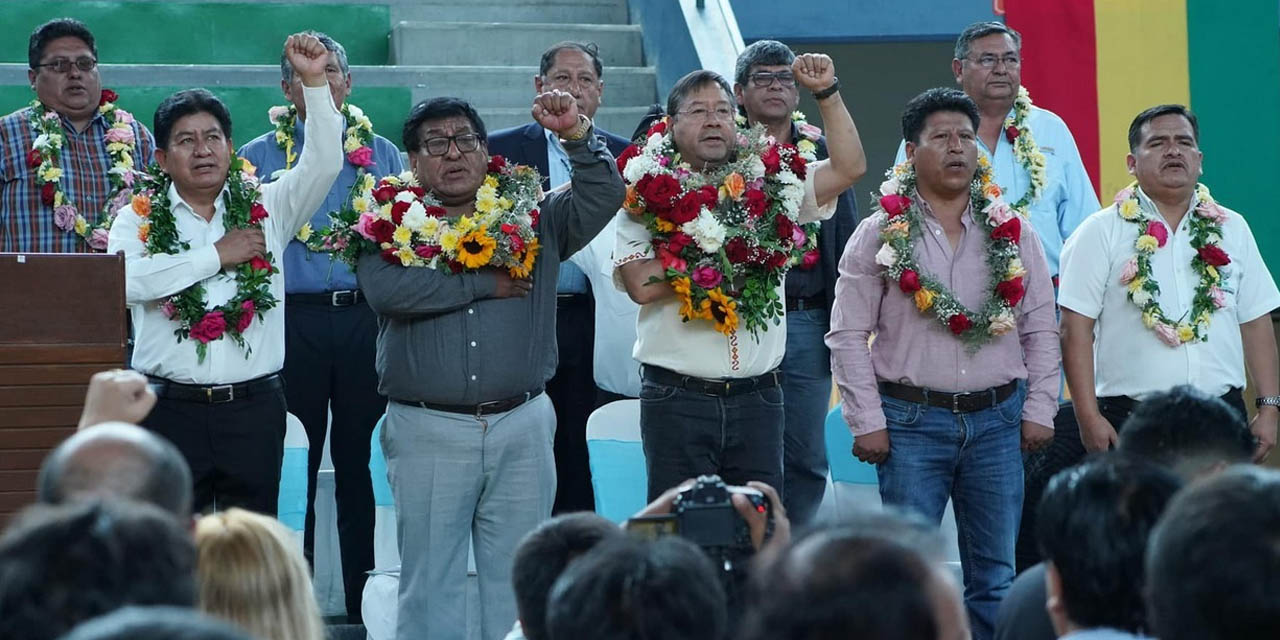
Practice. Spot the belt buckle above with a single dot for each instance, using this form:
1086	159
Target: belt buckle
209	393
955	402
342	298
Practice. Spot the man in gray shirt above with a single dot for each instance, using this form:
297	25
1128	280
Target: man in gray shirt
464	358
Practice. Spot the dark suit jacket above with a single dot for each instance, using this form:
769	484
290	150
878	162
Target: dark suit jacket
833	234
527	145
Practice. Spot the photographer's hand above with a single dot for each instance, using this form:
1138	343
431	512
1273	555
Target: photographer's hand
756	520
662	506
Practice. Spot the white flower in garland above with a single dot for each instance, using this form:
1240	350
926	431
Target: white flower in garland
706	231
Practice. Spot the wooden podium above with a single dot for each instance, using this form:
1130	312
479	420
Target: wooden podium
62	320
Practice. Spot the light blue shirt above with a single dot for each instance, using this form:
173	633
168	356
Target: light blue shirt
1067	198
571	278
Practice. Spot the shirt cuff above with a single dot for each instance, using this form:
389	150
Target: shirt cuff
1039	412
865	422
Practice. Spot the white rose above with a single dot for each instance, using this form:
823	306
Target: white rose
637	168
755	168
890	187
1141	297
1002	323
415	217
707	232
886	256
405	196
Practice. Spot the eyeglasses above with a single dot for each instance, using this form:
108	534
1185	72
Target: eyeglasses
565	82
703	114
466	143
988	61
63	65
764	79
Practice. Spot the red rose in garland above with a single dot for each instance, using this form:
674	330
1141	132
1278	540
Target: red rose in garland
1011	133
959	323
47	192
772	160
797	162
1214	256
909	281
1011	290
630	152
756	202
686	208
1011	230
246	316
737	251
496	163
107	96
397	211
382	230
710	196
257	213
384	193
34	158
894	204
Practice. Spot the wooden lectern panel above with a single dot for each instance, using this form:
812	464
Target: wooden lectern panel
63	320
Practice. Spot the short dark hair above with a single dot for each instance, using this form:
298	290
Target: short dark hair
1214	560
185	103
693	81
842	584
761	53
543	555
61	565
54	29
331	45
630	589
1135	127
438	109
932	101
121	460
1092	525
155	623
590	49
906	527
982	30
1186	430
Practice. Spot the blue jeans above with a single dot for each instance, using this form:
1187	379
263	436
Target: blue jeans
806	384
976	460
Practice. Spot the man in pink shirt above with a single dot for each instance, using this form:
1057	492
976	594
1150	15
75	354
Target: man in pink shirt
963	368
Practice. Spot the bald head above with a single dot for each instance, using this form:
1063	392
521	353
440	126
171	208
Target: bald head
120	460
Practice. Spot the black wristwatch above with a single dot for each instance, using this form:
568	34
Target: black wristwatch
1267	401
826	93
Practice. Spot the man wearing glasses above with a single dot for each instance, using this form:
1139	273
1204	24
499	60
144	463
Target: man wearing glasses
54	189
575	68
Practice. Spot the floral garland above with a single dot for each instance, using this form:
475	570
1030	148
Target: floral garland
46	150
902	224
807	145
408	227
1210	262
725	237
1025	150
188	308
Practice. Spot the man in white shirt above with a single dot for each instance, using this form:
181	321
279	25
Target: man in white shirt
710	400
221	399
1166	287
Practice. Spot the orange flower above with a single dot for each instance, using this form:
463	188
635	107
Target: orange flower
991	191
682	289
633	203
735	185
664	225
527	259
144	231
141	205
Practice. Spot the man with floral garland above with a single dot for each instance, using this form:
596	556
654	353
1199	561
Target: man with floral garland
331	333
956	292
202	241
702	200
1166	287
66	161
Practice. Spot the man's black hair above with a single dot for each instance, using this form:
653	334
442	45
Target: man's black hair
693	81
543	555
764	53
61	565
54	29
185	103
1135	128
933	101
1092	525
1213	564
1186	430
589	49
155	623
439	109
630	589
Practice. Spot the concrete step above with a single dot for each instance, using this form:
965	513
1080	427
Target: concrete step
544	11
497	43
618	120
513	86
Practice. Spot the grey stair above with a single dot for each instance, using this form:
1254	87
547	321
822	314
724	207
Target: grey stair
618	120
554	11
513	86
515	44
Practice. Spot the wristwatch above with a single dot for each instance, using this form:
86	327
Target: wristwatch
580	132
1267	401
826	93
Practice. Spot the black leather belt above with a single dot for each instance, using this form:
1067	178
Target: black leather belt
966	402
812	302
572	299
723	388
1127	404
482	409
217	393
329	298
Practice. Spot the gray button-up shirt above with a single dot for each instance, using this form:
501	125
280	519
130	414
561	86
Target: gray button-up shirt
443	338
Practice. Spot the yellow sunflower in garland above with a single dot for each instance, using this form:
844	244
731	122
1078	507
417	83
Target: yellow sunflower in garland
681	287
526	260
475	249
722	310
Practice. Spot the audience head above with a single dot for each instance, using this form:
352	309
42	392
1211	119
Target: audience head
543	555
903	526
63	72
63	564
940	127
193	140
575	68
988	62
1188	431
337	74
1164	149
1092	525
1213	564
764	84
120	460
629	589
155	623
703	111
448	149
252	573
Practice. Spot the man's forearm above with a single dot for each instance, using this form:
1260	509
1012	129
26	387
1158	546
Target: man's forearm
848	162
397	291
1260	355
1077	360
645	280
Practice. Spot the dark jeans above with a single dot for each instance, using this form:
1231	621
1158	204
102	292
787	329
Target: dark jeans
234	449
329	366
573	394
806	383
687	434
604	396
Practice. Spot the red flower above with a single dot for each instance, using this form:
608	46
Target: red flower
1011	290
710	196
425	251
47	191
257	213
686	208
497	163
1011	133
811	259
658	127
776	260
397	211
627	154
797	162
417	191
772	160
784	227
362	157
534	215
33	158
659	191
737	251
390	256
247	310
959	323
1011	230
384	193
259	264
1159	232
1214	256
381	230
107	96
756	202
435	212
909	281
894	204
210	327
679	240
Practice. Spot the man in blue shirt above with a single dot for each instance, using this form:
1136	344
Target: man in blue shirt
330	332
576	68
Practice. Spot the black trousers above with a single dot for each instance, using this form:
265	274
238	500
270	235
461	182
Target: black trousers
234	449
329	366
573	394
